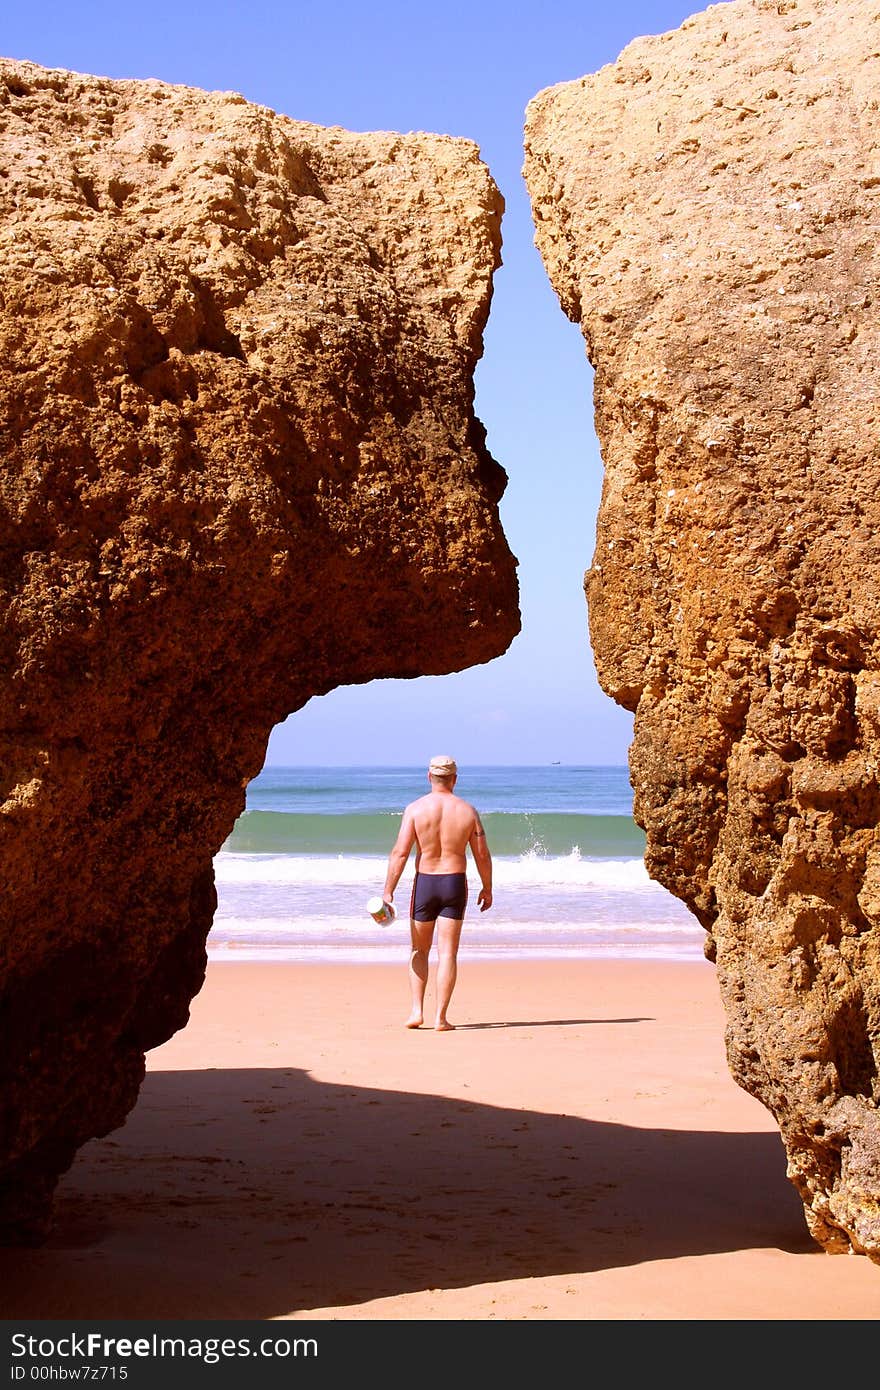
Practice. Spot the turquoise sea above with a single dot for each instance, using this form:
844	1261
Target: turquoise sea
312	845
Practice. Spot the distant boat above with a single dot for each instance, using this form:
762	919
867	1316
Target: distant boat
556	763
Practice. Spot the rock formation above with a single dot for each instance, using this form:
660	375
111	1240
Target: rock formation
240	467
707	208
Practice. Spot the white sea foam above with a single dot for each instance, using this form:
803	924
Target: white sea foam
560	872
349	938
313	907
385	954
283	929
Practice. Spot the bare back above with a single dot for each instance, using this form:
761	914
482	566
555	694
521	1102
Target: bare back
443	826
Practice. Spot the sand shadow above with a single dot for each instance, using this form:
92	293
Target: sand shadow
546	1023
358	1194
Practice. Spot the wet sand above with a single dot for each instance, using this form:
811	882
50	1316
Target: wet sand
576	1149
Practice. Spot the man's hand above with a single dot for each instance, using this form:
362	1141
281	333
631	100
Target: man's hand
485	899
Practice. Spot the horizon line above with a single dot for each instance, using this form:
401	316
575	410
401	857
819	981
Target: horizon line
409	767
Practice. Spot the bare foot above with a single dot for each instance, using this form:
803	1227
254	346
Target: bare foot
444	1026
414	1021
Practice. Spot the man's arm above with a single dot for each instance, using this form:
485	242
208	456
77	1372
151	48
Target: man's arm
483	861
406	838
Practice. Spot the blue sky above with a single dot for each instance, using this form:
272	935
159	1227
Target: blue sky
458	69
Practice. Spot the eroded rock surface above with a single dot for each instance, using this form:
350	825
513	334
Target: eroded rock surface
240	466
707	208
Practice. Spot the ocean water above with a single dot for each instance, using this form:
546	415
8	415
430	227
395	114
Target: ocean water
312	845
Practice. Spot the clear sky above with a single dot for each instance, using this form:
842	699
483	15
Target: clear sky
458	68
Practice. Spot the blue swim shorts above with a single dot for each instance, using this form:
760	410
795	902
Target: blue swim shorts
438	895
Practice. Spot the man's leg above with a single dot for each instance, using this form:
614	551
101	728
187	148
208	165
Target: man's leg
421	936
447	968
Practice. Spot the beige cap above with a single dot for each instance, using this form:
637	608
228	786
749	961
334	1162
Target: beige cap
441	765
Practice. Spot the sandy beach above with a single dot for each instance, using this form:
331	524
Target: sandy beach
576	1149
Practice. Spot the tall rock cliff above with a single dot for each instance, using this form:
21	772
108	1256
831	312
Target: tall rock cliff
707	208
240	466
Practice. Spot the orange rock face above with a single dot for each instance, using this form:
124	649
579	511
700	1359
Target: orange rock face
240	466
707	209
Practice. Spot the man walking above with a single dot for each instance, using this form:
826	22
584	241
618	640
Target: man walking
441	826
